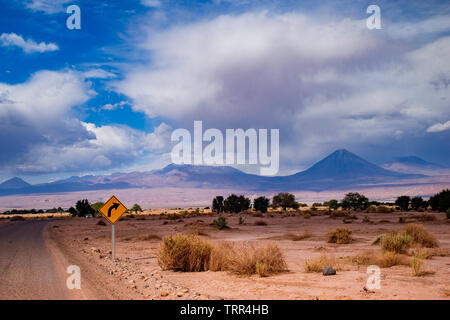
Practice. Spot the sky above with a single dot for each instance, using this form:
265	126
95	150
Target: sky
106	97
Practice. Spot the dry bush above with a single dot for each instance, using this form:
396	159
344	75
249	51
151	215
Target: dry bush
320	263
394	242
190	253
383	209
340	236
248	260
260	223
422	253
184	253
416	267
221	256
385	259
421	235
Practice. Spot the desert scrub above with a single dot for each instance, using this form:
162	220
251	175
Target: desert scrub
189	253
421	236
340	236
221	222
385	259
320	263
184	253
394	242
447	213
241	220
248	260
417	267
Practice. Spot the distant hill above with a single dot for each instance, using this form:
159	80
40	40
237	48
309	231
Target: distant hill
14	183
340	169
412	164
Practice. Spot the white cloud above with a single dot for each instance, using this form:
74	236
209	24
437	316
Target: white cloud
41	133
47	6
151	3
98	74
325	84
28	46
439	127
114	106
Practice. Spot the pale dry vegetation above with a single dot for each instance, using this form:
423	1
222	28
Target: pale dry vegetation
322	262
190	253
340	236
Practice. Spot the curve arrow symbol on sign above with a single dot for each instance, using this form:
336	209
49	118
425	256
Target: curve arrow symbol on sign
114	206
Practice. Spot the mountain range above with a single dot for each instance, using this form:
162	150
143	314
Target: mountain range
341	169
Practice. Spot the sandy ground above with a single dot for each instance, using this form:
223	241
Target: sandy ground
136	274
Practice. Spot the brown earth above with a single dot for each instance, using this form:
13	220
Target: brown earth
137	275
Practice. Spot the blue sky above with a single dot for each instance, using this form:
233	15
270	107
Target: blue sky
106	98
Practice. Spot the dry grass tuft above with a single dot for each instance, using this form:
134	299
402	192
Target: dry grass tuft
248	260
417	268
340	236
320	263
421	235
190	253
394	242
184	253
384	260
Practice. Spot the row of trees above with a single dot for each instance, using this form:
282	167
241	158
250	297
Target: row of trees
352	201
83	208
438	202
235	204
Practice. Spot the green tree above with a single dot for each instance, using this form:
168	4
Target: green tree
96	206
73	212
261	204
84	208
236	203
403	202
136	208
332	204
440	201
417	203
284	200
355	201
217	204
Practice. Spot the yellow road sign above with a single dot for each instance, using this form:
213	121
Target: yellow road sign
113	209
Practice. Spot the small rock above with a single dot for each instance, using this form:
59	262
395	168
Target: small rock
329	271
94	249
179	294
86	239
186	290
164	293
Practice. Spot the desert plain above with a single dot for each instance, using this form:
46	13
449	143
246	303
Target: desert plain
136	273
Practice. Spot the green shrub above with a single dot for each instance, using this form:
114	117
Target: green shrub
221	222
395	242
447	213
241	220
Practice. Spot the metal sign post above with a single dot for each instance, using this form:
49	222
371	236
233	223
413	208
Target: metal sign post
113	240
112	210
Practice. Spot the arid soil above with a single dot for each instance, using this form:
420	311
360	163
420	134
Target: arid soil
137	275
